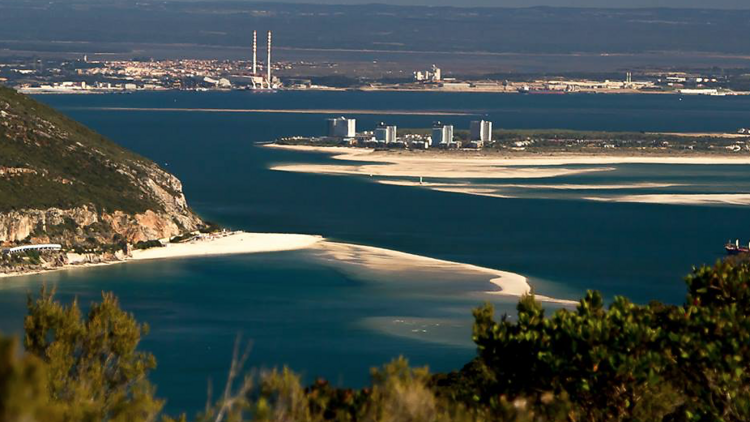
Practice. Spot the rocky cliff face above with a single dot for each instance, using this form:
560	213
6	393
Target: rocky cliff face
60	182
74	226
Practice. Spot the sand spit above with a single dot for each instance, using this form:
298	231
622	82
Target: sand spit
497	159
465	188
594	187
394	262
680	199
379	260
225	244
491	190
288	111
439	170
235	243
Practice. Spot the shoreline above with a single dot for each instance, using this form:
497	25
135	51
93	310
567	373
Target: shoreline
380	260
508	159
346	255
464	172
234	243
287	111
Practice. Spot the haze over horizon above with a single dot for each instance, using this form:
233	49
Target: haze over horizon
630	4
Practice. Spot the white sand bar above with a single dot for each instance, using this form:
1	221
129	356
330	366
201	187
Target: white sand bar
386	261
355	257
464	158
680	199
232	244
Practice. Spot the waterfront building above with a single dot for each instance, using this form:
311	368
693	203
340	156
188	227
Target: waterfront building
442	135
385	133
433	75
481	130
341	127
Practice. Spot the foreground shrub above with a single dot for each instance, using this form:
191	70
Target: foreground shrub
594	363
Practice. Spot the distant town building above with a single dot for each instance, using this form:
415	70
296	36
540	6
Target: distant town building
433	75
442	135
341	127
385	133
481	130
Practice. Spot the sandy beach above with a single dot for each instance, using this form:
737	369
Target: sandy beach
368	258
289	111
419	165
226	244
470	166
235	243
463	159
679	199
416	169
341	255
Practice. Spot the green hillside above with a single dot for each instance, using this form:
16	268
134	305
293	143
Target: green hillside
48	160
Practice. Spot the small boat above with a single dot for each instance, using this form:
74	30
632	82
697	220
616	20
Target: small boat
735	248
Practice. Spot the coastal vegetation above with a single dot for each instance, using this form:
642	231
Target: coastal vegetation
597	362
572	141
63	183
52	161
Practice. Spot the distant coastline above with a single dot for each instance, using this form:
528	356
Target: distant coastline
460	171
288	111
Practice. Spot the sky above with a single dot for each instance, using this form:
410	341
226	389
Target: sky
703	4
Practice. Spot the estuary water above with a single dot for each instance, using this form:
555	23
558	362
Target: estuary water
336	319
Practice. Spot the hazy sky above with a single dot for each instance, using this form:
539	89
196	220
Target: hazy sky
706	4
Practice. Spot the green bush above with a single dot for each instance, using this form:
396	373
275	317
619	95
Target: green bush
596	363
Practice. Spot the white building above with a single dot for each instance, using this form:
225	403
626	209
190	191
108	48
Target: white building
442	135
481	130
341	127
433	75
385	133
29	248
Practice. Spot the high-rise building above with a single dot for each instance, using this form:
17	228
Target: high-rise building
442	135
481	130
437	74
341	127
385	133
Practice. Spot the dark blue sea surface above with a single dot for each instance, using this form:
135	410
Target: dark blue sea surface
322	319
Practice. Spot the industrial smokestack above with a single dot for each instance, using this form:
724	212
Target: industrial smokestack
268	62
255	52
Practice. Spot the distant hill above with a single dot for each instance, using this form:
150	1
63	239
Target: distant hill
62	182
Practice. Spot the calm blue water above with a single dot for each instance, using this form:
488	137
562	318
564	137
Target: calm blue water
322	319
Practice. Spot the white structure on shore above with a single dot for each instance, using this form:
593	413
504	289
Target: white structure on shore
269	80
27	248
385	133
341	127
481	130
262	80
442	135
433	75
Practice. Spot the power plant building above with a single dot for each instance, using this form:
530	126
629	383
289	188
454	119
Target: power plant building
442	135
341	127
481	131
260	80
385	133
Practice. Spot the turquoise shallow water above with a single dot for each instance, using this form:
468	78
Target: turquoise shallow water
325	319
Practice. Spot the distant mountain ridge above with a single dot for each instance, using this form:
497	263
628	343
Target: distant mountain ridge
62	182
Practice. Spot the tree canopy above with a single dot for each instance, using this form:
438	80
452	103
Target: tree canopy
595	363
